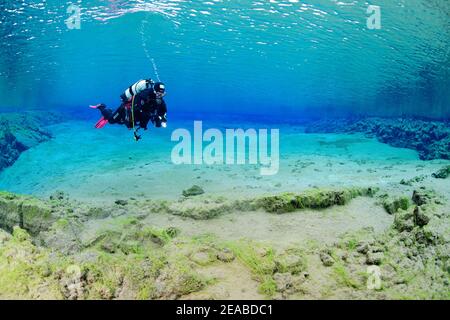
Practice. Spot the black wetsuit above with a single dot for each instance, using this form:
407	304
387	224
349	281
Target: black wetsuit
150	108
147	107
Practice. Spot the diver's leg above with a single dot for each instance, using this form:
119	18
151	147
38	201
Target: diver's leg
118	116
108	114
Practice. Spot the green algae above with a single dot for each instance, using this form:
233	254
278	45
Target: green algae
206	208
137	261
283	203
199	211
25	211
24	270
265	263
260	260
393	205
61	224
268	287
344	277
312	199
291	261
132	238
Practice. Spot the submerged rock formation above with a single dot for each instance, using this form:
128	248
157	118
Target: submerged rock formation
10	148
193	191
443	173
313	199
430	138
26	212
62	249
19	132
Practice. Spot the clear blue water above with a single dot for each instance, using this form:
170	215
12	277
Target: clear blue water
105	165
286	59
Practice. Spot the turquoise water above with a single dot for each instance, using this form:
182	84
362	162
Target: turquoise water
288	59
107	165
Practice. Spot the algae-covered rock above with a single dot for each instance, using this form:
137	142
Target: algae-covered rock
319	199
128	258
326	258
393	205
226	255
199	210
403	221
420	218
121	202
443	173
407	220
204	256
208	208
193	191
411	181
287	284
283	203
421	197
130	239
425	236
172	232
24	211
103	236
374	258
157	236
312	199
4	236
292	261
176	281
283	281
98	213
363	247
25	270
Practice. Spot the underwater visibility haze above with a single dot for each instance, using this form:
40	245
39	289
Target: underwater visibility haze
245	57
347	102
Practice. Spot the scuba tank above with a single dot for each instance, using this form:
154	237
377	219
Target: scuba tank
136	88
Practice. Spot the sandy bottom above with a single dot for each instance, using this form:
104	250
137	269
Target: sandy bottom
284	230
104	165
287	229
100	166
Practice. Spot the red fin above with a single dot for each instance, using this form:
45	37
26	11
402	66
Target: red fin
101	123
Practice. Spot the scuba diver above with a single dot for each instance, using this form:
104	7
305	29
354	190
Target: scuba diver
141	103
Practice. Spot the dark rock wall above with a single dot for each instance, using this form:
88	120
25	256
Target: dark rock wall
19	132
430	139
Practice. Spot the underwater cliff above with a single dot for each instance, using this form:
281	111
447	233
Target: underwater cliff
20	132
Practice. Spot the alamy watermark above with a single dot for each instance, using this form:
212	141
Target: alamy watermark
74	20
374	20
374	278
228	148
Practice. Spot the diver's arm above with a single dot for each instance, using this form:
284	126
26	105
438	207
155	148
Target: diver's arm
162	112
